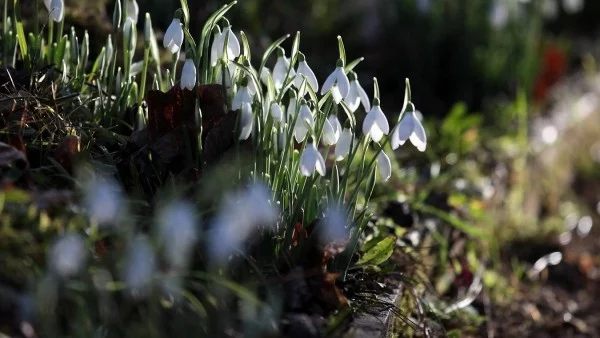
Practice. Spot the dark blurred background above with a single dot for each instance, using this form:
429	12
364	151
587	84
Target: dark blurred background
452	50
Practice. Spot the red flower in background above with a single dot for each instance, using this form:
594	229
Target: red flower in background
554	64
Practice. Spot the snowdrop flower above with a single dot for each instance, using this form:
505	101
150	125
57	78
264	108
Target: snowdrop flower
103	200
56	9
292	105
342	148
375	124
264	75
304	69
242	96
177	230
549	9
304	122
129	34
173	38
67	255
311	160
337	82
246	120
232	50
132	10
239	215
499	14
188	75
140	266
384	165
356	95
280	71
410	128
225	80
277	113
573	6
331	130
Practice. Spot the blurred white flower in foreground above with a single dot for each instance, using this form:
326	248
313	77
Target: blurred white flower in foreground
385	166
342	148
549	9
333	225
409	128
241	213
356	95
375	124
337	82
177	231
499	14
56	9
304	69
573	6
188	75
103	200
140	266
173	38
67	255
311	160
424	5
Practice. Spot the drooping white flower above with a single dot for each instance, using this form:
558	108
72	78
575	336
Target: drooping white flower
331	130
311	160
56	9
342	148
232	50
549	9
246	120
410	128
103	200
280	71
173	38
499	14
375	124
240	213
573	6
67	255
177	230
277	113
304	69
384	165
225	79
337	82
188	75
292	105
356	95
132	10
264	75
140	266
242	96
304	122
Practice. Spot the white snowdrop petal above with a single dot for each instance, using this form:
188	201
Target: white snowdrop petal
328	83
364	98
337	95
381	120
405	128
233	45
342	82
188	75
385	166
418	138
353	98
320	164
342	147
